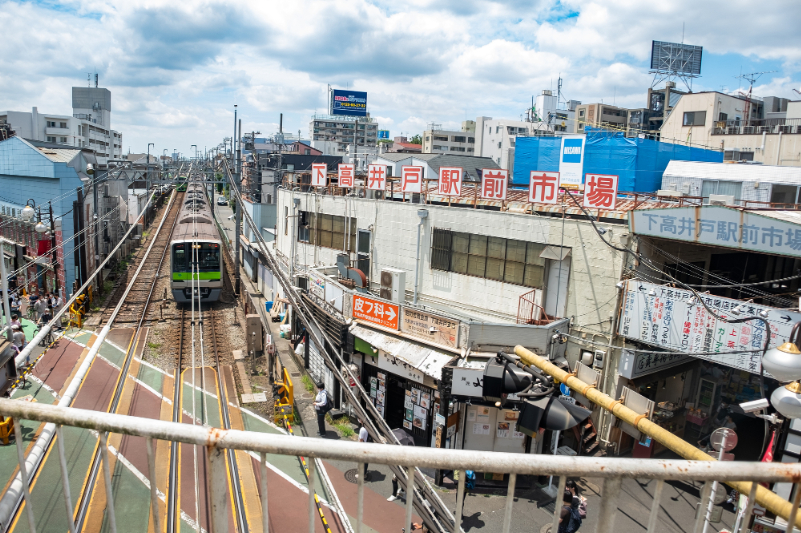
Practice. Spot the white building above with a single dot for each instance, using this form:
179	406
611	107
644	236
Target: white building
439	141
495	138
718	121
336	134
89	126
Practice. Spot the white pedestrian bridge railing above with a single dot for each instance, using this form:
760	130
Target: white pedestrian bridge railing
611	470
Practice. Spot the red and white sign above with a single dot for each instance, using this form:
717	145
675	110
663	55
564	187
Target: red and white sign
377	177
600	191
381	313
543	187
319	175
411	179
493	183
346	175
450	181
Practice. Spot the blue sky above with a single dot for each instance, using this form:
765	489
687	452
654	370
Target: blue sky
176	69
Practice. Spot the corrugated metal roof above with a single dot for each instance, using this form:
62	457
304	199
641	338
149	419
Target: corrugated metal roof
423	358
59	155
733	172
471	164
794	217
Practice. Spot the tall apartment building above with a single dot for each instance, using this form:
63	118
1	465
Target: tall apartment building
439	141
334	134
89	126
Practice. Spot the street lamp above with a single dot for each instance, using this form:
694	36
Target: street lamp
28	211
784	363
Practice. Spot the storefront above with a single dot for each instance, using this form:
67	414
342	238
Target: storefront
403	379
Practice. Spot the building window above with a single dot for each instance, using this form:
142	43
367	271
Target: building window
63	124
694	118
724	188
458	139
497	129
581	113
499	144
440	138
327	231
495	258
457	149
62	139
723	117
51	139
471	140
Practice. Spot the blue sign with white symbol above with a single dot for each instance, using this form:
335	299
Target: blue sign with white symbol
564	389
383	134
571	151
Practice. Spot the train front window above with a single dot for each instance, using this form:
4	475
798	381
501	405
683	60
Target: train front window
209	257
179	257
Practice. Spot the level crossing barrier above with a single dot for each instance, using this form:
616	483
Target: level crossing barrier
611	470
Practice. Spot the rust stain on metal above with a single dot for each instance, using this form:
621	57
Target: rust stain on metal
214	436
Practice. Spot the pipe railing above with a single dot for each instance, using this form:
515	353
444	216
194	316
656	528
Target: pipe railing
611	470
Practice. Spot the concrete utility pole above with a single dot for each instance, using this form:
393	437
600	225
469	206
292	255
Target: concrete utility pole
239	207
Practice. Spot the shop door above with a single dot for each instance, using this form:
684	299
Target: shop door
556	296
396	394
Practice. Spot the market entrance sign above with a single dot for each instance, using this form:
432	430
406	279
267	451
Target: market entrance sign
669	318
719	226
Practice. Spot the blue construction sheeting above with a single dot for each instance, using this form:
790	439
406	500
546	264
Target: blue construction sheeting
639	163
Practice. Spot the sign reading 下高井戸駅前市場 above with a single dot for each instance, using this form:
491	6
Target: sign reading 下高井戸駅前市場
719	226
672	320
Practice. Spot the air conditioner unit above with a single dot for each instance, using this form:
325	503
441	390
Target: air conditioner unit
721	199
393	285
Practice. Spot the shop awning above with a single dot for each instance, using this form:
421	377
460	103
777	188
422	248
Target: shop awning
423	358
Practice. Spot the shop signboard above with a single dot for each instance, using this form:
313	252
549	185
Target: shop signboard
571	162
349	103
634	365
468	382
670	318
719	226
398	367
431	328
317	284
377	312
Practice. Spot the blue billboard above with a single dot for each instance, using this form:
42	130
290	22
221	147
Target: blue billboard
351	103
383	134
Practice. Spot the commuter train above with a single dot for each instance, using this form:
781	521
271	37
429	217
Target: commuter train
195	239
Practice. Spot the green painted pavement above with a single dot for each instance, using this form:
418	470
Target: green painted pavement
208	412
131	501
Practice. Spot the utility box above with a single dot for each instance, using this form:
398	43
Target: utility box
393	285
254	332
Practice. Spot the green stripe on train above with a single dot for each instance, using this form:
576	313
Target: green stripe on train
177	276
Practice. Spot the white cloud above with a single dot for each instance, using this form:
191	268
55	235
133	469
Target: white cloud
176	69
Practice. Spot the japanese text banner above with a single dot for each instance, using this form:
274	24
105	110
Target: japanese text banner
719	226
319	175
671	319
493	183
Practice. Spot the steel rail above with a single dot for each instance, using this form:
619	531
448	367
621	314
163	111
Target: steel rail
341	450
172	484
239	502
86	495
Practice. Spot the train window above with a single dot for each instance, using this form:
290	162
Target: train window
179	258
209	257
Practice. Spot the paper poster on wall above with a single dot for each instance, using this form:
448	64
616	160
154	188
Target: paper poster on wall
419	411
481	429
451	431
424	403
409	414
380	397
436	408
419	423
407	424
416	396
426	396
516	434
374	382
407	402
373	392
482	414
471	415
380	409
408	393
511	415
503	430
381	375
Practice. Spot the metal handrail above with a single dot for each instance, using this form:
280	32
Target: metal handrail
611	470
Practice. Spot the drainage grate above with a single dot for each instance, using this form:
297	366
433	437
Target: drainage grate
350	475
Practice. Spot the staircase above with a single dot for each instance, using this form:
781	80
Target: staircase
590	444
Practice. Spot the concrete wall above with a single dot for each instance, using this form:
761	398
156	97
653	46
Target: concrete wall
595	268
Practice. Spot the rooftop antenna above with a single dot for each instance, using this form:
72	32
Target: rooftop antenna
95	80
751	77
88	79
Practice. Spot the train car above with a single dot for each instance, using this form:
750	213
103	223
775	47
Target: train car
195	238
181	185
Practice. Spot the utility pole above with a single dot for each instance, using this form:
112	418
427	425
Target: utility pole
147	175
53	247
96	224
237	206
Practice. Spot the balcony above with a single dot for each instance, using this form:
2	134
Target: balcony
756	127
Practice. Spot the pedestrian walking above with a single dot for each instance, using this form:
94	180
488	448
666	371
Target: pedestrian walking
569	519
322	404
579	501
397	490
38	307
364	436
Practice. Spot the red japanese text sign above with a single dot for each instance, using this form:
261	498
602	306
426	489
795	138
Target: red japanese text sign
411	179
319	175
493	183
346	175
600	191
377	177
450	181
381	313
543	187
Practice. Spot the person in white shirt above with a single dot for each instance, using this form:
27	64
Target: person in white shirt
364	436
321	406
